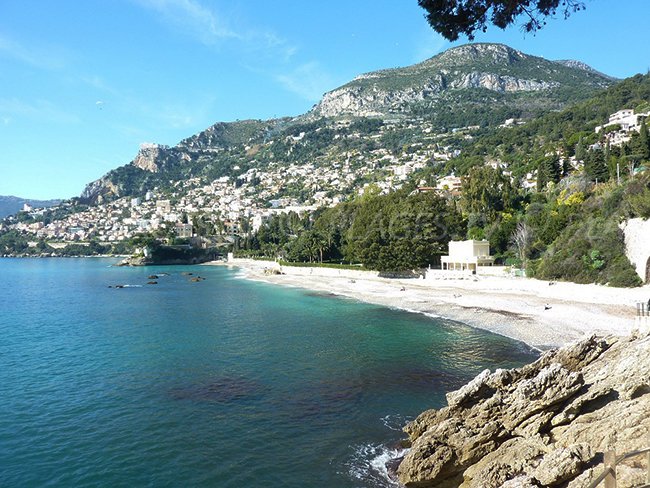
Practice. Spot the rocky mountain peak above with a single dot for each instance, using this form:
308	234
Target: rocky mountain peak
437	82
147	155
468	53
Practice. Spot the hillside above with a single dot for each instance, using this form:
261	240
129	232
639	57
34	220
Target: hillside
473	85
548	195
9	205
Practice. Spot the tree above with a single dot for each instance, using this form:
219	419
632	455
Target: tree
453	18
580	151
550	169
642	142
595	166
486	191
522	238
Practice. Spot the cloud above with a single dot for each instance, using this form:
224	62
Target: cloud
308	80
212	28
193	19
41	110
49	58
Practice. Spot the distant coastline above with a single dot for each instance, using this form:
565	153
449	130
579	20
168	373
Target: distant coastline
538	313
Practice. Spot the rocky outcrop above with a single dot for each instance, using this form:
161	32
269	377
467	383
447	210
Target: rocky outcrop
98	189
637	236
147	156
545	424
375	101
572	63
492	67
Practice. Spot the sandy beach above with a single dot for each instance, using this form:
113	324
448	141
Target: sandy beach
541	314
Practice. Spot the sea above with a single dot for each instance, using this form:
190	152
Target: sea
213	382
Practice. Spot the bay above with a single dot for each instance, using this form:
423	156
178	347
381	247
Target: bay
222	382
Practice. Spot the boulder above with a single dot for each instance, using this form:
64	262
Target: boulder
545	424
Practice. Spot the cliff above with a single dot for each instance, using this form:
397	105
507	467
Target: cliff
637	235
545	424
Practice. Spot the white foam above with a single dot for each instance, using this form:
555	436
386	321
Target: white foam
368	464
395	422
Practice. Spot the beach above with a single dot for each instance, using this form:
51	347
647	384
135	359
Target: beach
542	314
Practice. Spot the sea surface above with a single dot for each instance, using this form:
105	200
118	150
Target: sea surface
218	383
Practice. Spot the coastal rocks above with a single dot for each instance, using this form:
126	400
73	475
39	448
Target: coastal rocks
133	261
545	424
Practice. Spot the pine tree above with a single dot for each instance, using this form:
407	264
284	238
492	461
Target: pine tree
595	166
580	150
552	168
542	177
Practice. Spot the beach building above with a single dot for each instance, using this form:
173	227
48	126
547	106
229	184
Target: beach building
467	255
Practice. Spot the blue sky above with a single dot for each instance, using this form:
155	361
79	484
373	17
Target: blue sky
83	83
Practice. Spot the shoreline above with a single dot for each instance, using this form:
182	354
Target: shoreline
542	314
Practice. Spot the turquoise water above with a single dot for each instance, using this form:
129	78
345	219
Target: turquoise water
220	383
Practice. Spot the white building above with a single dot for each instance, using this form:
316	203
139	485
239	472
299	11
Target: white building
450	183
628	122
467	255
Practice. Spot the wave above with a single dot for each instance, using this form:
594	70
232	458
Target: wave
395	422
374	465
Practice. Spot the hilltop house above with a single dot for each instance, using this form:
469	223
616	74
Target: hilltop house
627	121
467	255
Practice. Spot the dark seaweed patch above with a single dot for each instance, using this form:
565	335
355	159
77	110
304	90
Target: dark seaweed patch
220	390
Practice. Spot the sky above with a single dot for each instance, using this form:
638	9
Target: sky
84	83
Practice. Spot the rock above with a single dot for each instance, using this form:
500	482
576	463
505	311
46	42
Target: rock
472	392
147	157
545	424
521	482
563	464
505	463
430	461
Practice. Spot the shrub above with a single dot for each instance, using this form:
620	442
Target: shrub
589	251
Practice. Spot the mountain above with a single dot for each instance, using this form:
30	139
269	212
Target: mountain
9	205
472	85
468	74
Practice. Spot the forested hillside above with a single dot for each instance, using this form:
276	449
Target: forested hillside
567	227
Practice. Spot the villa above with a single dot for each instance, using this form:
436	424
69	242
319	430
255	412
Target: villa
627	122
467	256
